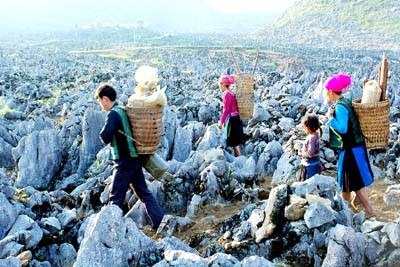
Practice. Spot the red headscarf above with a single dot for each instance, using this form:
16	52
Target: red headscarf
227	80
338	82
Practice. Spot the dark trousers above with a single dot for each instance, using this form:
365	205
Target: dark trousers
130	171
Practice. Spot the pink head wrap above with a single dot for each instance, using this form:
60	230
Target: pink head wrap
338	82
227	80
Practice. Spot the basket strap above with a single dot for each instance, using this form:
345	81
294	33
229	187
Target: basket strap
255	64
235	63
130	137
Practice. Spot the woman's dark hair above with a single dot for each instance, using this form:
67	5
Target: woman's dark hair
107	90
311	122
338	93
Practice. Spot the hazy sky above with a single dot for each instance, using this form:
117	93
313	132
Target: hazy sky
172	15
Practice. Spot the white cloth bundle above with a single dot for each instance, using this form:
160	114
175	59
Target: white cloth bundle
147	92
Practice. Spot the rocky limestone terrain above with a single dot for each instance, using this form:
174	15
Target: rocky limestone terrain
55	173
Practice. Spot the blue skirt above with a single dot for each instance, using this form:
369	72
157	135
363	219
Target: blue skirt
354	170
313	167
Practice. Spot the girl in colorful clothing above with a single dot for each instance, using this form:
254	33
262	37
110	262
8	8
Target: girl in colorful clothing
310	163
354	170
230	114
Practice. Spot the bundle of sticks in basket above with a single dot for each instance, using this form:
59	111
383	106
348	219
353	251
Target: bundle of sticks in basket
374	117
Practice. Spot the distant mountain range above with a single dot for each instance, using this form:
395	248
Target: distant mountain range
371	24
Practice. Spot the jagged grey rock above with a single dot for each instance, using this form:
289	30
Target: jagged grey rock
371	226
259	115
39	198
212	138
255	261
345	247
393	232
52	224
273	212
8	215
211	185
63	255
10	249
169	126
171	224
256	217
285	170
242	231
8	136
394	258
321	185
91	144
39	158
392	196
67	216
10	262
244	169
173	243
318	214
182	144
181	258
138	214
222	260
112	240
373	251
194	205
329	154
29	229
6	159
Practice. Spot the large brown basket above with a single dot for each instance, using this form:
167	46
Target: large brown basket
146	125
245	95
374	122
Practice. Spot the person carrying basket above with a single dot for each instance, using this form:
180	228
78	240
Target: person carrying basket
127	167
230	115
354	170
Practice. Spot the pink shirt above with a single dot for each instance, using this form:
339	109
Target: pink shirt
311	146
229	106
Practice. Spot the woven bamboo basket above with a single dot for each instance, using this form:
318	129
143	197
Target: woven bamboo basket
146	125
374	122
245	95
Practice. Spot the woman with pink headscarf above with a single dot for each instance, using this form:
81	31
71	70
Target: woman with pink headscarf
230	114
354	170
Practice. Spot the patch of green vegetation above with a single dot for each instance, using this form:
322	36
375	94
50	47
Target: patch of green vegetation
187	70
369	15
116	57
158	62
301	10
4	111
47	101
21	196
56	92
3	108
373	16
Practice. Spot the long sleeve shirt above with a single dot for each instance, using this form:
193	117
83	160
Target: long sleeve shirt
339	122
229	106
112	125
311	146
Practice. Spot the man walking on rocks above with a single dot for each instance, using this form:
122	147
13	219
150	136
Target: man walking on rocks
127	165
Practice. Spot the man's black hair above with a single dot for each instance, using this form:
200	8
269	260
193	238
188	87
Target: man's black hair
107	90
